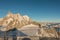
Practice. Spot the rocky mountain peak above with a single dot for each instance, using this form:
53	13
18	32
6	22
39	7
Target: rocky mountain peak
14	20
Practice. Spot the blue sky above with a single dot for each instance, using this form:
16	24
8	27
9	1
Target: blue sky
37	10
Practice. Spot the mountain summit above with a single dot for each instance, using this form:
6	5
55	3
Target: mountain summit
14	20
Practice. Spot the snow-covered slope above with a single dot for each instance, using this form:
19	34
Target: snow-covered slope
48	32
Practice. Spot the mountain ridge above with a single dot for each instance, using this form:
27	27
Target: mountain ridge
12	20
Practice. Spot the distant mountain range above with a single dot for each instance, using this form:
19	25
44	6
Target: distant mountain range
11	21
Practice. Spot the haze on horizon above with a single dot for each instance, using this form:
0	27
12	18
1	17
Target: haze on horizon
37	10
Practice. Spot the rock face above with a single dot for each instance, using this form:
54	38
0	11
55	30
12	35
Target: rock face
14	20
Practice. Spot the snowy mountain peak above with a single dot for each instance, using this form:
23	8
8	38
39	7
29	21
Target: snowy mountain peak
9	14
14	20
26	17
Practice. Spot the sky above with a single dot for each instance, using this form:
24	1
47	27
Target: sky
37	10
